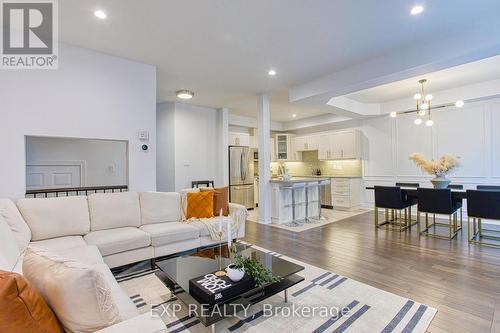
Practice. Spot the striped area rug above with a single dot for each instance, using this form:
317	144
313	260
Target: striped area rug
362	308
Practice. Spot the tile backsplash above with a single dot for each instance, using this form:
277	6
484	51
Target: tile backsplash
310	162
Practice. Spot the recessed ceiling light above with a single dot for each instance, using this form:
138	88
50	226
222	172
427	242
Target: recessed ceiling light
100	14
294	115
459	104
184	94
393	114
417	10
272	72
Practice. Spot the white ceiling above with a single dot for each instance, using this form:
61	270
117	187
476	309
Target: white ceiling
474	72
223	49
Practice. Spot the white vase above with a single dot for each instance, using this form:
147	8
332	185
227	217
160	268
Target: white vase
234	274
440	182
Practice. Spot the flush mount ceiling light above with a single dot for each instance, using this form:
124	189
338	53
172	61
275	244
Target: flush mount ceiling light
424	106
417	10
184	94
100	14
294	115
271	72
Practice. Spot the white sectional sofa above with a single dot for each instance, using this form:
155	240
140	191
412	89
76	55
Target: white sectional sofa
105	231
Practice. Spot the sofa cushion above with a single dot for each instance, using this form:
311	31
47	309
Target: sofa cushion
158	207
126	307
118	240
9	249
11	215
60	243
55	217
171	232
114	210
77	293
27	310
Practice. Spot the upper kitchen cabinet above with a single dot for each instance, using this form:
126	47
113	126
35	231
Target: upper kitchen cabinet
306	143
239	139
284	147
340	145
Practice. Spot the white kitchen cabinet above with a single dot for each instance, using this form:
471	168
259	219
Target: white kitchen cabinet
273	150
346	193
239	139
340	145
284	148
306	143
254	142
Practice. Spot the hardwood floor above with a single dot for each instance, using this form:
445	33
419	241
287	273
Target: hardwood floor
461	281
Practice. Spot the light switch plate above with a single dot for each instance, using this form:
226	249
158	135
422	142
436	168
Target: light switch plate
143	135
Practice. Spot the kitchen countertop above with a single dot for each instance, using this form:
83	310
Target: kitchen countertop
299	180
326	176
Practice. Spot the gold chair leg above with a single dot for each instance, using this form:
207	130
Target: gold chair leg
449	227
480	227
426	221
418	222
406	219
376	216
468	230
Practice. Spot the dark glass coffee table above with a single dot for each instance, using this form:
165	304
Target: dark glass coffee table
176	272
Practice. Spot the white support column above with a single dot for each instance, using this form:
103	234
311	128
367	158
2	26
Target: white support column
223	124
264	132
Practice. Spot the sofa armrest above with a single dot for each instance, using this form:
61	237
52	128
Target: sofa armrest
144	323
239	213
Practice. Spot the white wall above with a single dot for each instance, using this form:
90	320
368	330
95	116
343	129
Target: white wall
472	132
105	160
165	147
91	95
196	145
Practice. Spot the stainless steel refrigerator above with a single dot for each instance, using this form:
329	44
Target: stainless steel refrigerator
241	176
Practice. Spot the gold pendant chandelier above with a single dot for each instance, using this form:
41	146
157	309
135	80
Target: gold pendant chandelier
424	106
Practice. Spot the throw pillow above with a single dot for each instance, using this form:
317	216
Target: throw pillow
221	199
23	309
184	202
77	293
200	205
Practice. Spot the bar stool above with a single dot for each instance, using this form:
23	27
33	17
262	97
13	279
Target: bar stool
482	204
293	188
437	201
391	198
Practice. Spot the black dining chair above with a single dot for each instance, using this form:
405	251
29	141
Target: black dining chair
437	201
488	187
412	200
459	202
482	204
392	199
206	183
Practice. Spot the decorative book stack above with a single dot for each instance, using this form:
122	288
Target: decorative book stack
210	289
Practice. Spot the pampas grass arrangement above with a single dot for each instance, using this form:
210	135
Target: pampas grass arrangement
438	168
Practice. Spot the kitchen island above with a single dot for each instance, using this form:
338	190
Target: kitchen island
297	199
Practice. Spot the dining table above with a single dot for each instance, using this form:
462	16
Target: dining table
411	192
